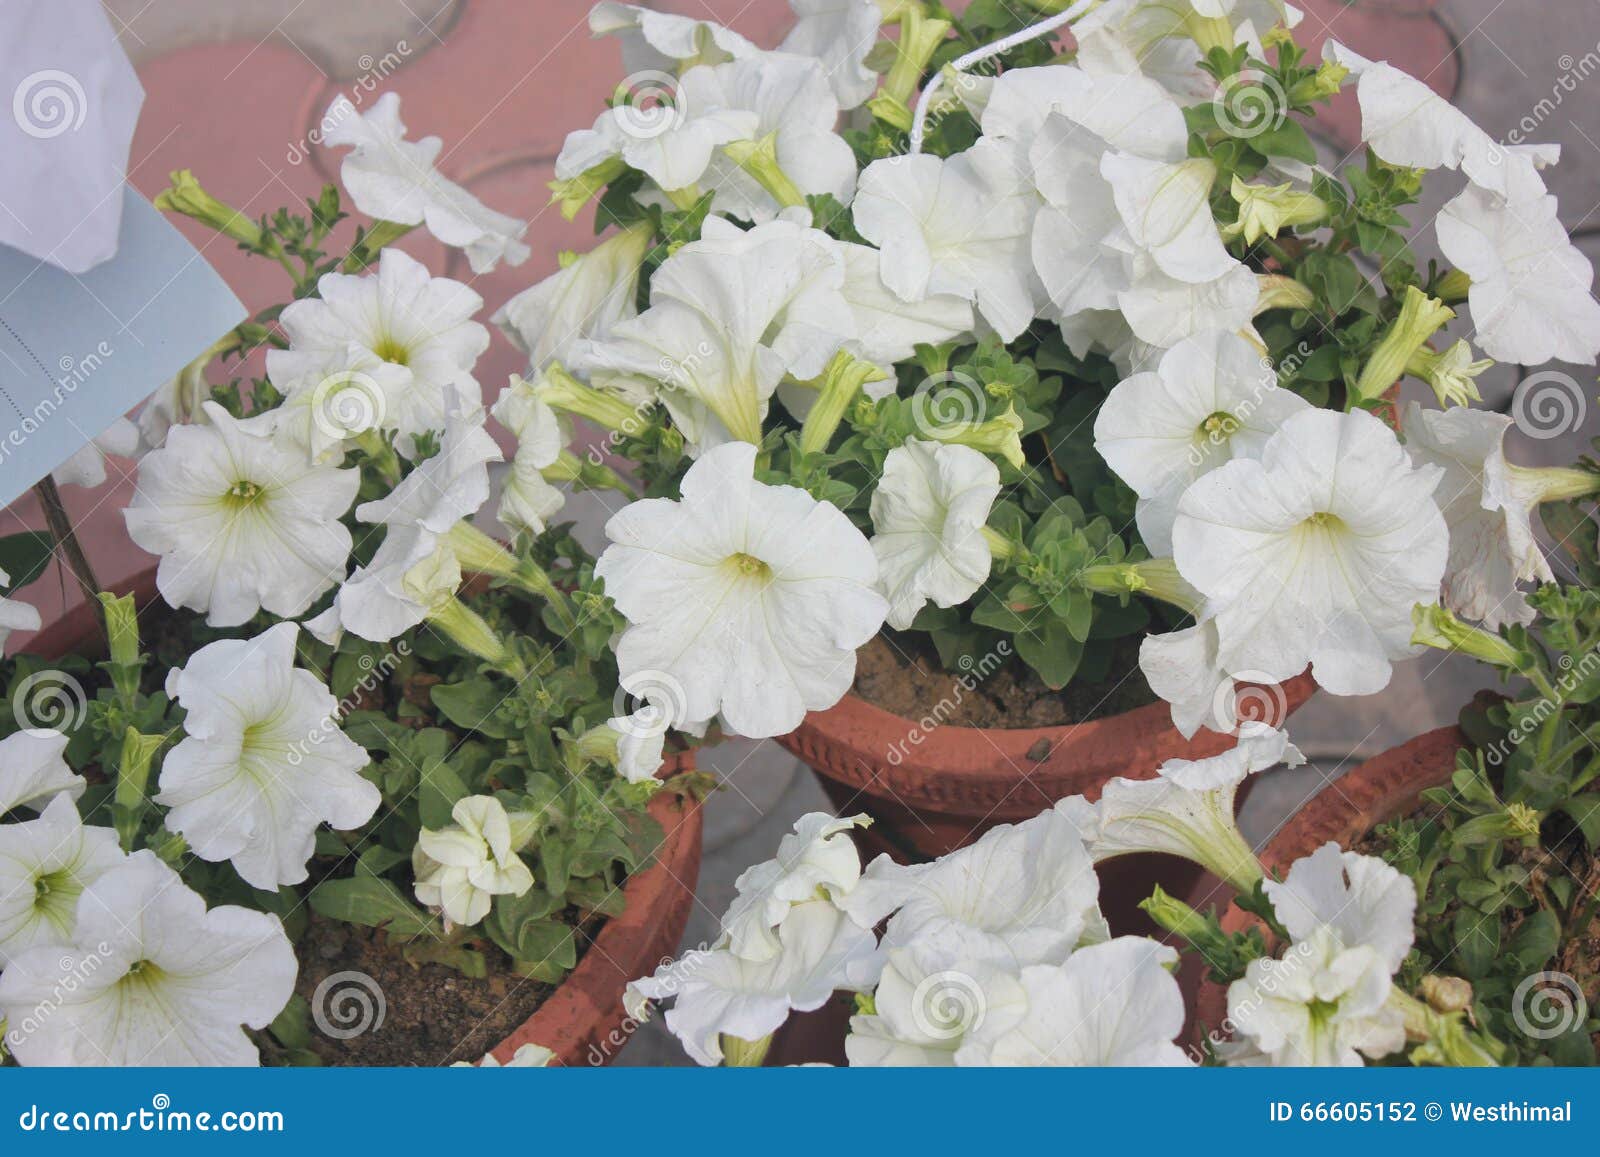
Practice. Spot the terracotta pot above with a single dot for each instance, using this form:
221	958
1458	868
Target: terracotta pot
930	797
1383	788
583	1021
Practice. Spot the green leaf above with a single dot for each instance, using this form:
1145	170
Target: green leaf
1052	652
475	706
1477	939
1286	139
1584	810
1536	940
437	793
24	558
374	903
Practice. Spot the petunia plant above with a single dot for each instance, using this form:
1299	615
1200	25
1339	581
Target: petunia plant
352	705
1080	339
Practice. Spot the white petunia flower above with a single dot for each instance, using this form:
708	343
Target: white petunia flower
527	500
817	860
263	763
526	1057
1316	552
641	740
326	408
1183	668
1162	310
15	615
958	226
462	868
1187	809
1321	1004
241	524
33	772
1156	37
1489	509
151	978
928	1005
888	330
673	146
1025	892
1166	209
1213	398
403	316
718	993
87	467
1362	899
583	299
392	179
794	105
928	514
654	40
1111	1004
753	598
1530	293
45	864
414	567
730	315
1409	124
839	33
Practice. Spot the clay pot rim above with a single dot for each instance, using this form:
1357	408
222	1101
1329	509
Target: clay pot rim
853	742
587	1005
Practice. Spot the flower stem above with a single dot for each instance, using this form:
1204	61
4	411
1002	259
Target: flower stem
841	382
760	160
66	539
743	1054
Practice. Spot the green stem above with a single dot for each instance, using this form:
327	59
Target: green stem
841	382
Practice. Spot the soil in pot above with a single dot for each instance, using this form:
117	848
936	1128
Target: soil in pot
397	1013
900	672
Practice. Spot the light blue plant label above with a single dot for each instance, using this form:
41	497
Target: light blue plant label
77	351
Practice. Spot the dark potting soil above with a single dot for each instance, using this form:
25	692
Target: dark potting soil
431	1014
901	672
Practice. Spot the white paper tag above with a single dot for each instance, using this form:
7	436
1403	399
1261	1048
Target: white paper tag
79	351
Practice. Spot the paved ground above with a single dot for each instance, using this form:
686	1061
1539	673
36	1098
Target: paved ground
234	86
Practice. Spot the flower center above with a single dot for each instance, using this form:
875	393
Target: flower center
1219	426
749	566
1326	521
392	351
243	493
